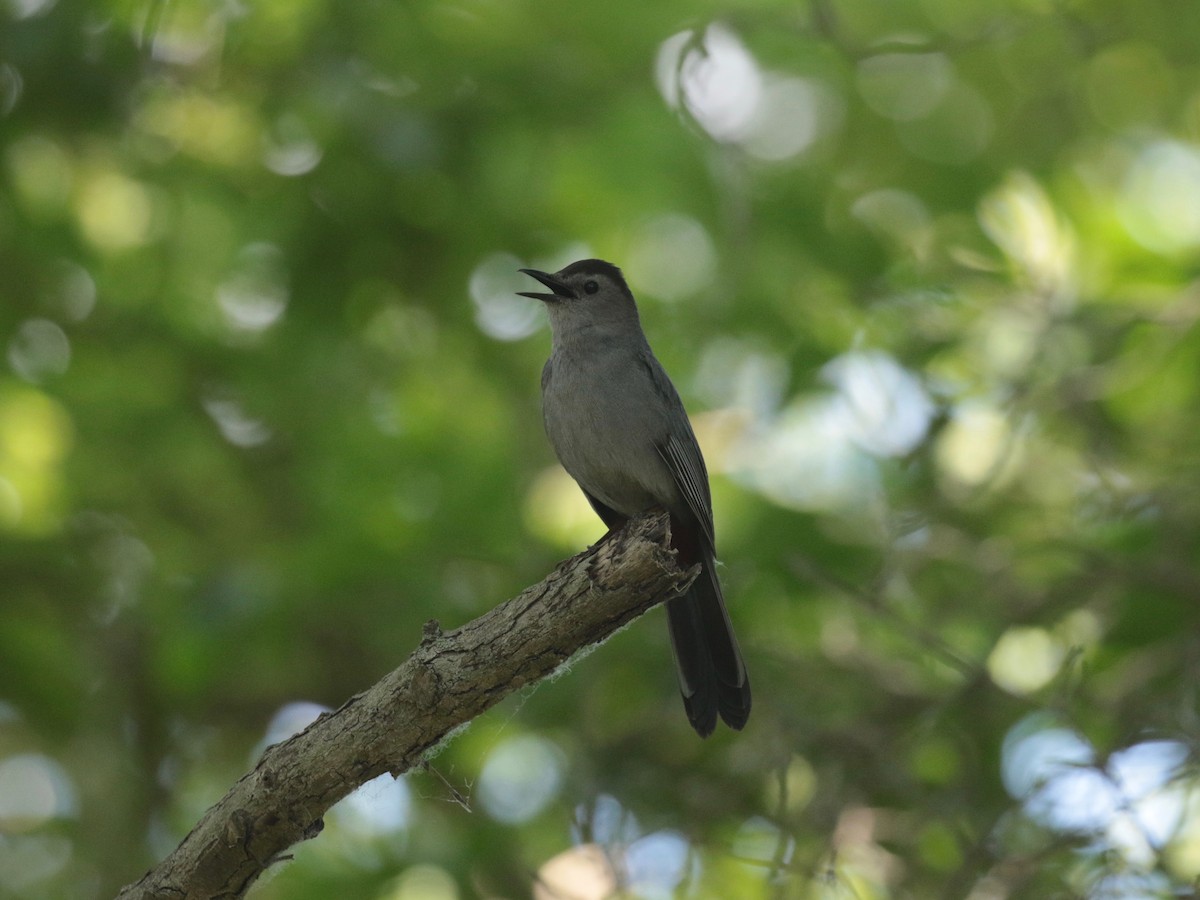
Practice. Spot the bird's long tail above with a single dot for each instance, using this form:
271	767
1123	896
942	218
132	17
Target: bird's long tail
712	676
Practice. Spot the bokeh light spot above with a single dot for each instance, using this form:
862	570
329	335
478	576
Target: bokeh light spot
557	511
255	296
214	129
519	778
11	87
113	210
1133	805
805	459
1025	660
886	409
673	256
762	841
581	873
39	350
1160	204
290	148
972	446
73	293
33	790
28	9
897	215
499	312
793	113
657	863
382	806
36	433
42	174
423	882
235	425
1020	218
290	719
904	86
714	77
798	787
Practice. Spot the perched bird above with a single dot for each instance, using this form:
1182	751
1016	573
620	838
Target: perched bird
618	427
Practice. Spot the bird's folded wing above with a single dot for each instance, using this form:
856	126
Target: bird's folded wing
683	459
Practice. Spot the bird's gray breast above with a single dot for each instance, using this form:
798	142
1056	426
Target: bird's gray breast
604	414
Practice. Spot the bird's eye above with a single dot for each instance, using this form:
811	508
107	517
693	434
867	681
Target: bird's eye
590	287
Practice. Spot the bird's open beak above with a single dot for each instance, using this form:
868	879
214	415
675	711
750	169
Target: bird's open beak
560	289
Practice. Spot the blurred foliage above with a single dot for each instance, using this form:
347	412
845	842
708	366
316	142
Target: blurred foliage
925	273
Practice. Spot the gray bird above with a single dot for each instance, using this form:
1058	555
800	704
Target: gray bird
620	430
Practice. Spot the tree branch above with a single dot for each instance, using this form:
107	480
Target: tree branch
448	680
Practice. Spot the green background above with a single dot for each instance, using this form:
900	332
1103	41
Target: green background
925	274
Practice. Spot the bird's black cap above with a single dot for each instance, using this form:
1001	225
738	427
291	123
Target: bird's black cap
595	267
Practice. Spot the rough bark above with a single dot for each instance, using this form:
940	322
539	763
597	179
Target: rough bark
448	680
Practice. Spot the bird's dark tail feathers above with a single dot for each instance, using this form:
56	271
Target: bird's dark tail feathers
712	676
